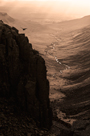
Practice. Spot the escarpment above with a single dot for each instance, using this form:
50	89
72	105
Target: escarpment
23	75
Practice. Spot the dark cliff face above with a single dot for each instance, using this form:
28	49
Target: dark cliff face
23	75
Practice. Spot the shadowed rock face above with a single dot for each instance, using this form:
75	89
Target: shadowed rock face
23	75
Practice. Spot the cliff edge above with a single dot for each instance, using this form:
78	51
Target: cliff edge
23	75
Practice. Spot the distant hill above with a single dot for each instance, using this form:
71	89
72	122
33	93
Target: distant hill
6	18
73	24
20	24
37	24
80	21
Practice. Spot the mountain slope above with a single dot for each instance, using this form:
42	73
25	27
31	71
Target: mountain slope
6	18
77	89
71	25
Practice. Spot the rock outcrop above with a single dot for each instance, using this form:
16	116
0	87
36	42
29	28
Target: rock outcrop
23	75
81	127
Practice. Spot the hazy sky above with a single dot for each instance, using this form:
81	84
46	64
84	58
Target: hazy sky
65	8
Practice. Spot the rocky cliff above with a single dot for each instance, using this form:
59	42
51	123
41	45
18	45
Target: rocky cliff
23	75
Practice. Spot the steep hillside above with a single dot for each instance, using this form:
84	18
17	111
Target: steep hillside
78	89
76	104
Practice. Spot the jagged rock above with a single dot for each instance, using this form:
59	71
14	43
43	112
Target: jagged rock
23	75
